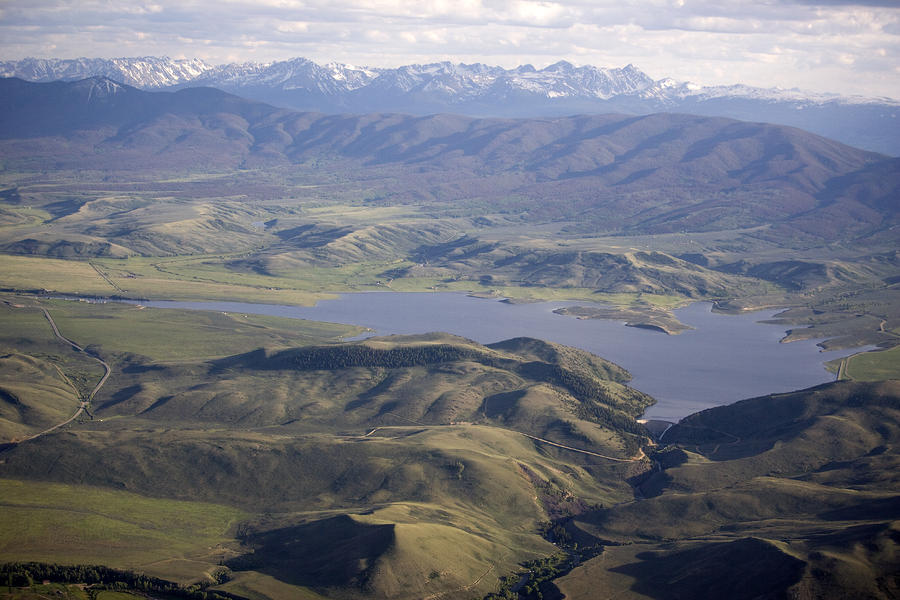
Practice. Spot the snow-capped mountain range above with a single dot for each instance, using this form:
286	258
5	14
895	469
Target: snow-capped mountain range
455	81
483	90
147	72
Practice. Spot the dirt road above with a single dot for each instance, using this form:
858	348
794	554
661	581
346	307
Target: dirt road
85	404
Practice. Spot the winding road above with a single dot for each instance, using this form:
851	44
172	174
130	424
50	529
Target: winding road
106	366
85	404
639	456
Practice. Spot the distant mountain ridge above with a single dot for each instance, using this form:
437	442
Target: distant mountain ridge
457	80
656	173
146	72
489	91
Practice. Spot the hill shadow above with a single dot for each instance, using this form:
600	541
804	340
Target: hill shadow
716	570
337	551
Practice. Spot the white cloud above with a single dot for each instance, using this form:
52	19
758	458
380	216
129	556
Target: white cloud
824	45
293	27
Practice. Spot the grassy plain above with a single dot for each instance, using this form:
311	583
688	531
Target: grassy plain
158	334
55	275
874	366
65	523
42	592
79	277
209	278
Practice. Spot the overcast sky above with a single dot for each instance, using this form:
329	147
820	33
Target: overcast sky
825	45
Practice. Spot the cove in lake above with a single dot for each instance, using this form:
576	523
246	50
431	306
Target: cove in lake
725	358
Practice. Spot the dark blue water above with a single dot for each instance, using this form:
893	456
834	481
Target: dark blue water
723	359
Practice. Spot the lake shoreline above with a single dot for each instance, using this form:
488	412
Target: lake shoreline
722	359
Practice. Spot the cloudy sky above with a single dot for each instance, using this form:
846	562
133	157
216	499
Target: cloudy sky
821	45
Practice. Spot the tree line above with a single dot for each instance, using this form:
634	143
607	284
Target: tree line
343	357
25	574
596	404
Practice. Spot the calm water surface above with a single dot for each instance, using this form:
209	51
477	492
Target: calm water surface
723	359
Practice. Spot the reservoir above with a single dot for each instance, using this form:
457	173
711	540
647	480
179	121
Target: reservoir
725	358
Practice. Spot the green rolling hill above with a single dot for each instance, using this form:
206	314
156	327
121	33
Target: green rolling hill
403	466
783	496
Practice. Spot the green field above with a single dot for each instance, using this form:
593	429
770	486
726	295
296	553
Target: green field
129	329
80	524
41	592
874	366
79	277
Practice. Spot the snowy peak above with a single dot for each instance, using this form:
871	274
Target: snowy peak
450	82
565	80
453	83
147	72
561	79
294	74
561	88
352	77
669	91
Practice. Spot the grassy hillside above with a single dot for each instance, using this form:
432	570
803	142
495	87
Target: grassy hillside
429	465
34	395
456	500
801	484
437	460
302	240
418	465
81	524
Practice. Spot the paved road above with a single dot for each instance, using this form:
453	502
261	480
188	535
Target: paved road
106	278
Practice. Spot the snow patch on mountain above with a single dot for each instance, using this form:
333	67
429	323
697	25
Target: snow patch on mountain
148	72
453	83
483	90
